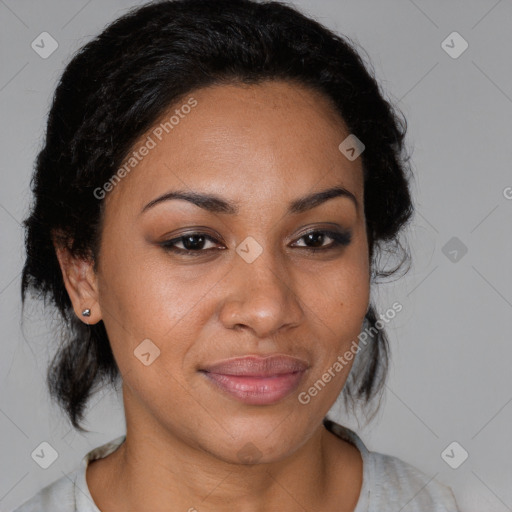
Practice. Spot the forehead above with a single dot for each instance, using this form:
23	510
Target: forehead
241	141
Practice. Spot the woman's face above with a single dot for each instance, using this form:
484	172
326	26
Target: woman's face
250	286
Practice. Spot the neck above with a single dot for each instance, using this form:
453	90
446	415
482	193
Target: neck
186	479
161	471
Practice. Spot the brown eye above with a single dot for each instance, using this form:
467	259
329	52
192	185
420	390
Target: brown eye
314	240
193	244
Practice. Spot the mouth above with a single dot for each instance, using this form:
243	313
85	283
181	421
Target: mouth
257	380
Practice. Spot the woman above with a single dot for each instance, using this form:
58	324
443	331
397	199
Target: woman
217	182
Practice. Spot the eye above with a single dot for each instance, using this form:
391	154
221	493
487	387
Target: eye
317	238
193	244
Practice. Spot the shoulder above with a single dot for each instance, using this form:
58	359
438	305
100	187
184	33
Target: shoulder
59	496
399	483
389	483
70	493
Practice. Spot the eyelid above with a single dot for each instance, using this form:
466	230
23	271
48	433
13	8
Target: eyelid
178	239
335	230
340	238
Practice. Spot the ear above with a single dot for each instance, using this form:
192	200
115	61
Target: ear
81	283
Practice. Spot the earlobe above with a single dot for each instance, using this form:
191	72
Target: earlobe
80	281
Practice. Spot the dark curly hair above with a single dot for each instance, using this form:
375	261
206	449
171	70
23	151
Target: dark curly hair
119	84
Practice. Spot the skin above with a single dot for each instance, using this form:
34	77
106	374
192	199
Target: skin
264	146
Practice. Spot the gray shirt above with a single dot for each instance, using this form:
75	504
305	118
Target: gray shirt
389	484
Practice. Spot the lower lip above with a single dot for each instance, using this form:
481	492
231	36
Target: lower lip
257	390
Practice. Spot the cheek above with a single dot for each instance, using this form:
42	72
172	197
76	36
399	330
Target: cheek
339	296
149	290
338	303
148	307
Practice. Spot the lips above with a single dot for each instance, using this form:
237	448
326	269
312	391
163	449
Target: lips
257	380
256	366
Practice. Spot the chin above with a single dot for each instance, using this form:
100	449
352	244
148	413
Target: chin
253	440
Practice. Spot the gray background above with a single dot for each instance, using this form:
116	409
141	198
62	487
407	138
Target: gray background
450	378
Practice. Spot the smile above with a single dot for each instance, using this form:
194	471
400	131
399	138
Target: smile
255	380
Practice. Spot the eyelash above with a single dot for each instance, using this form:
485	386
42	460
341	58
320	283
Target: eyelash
339	239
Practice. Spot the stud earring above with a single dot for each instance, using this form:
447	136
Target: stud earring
86	312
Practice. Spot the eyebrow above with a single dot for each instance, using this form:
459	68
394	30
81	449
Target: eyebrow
216	204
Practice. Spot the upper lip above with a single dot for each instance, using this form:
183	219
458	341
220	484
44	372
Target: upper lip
258	366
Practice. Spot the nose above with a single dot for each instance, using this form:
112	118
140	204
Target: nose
261	297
